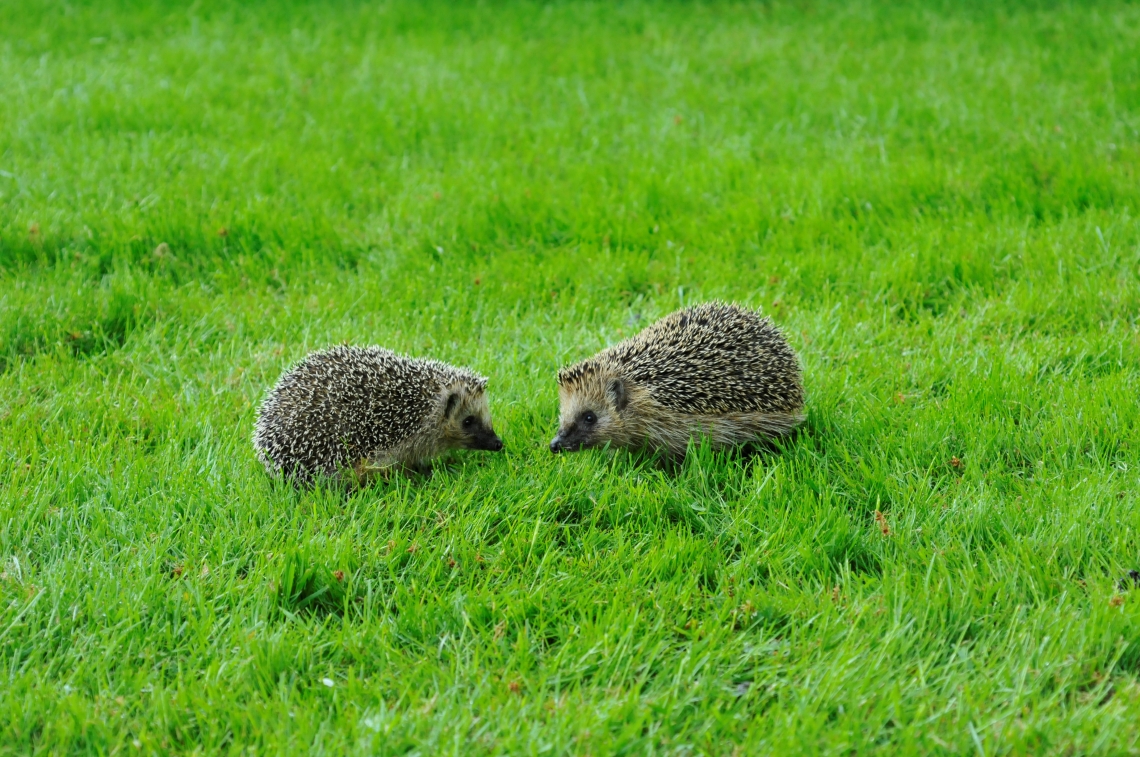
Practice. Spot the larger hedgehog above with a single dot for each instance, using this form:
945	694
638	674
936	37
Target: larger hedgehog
716	370
349	412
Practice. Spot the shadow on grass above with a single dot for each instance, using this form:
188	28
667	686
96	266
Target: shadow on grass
98	322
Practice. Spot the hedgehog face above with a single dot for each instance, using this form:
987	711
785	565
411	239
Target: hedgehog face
466	422
593	413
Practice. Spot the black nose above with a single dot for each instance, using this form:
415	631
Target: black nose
486	440
556	444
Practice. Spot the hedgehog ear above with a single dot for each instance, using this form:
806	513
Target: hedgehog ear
617	393
451	404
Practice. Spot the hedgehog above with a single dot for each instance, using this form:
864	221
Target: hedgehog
349	413
718	371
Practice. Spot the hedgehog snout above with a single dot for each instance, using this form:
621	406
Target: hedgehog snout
486	439
567	440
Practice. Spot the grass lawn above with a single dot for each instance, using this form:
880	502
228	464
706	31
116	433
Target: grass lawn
939	204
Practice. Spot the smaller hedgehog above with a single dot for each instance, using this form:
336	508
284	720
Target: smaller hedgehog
351	412
714	370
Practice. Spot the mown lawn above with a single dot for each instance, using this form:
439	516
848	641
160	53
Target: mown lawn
938	202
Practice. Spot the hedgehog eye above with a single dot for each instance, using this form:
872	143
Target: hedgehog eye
469	421
590	418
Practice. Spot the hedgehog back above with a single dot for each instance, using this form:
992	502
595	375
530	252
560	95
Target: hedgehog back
710	359
344	403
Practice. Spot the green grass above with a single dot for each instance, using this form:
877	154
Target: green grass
938	203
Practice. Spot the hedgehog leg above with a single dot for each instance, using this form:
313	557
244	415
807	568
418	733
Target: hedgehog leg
364	472
420	467
370	469
658	456
670	462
